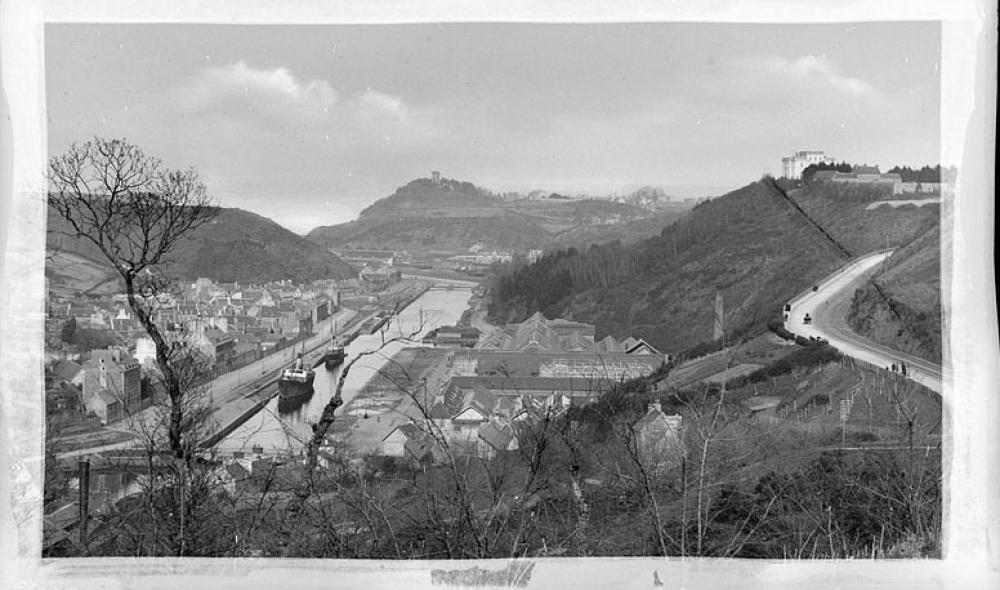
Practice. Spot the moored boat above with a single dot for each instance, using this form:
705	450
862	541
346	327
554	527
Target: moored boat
296	380
334	357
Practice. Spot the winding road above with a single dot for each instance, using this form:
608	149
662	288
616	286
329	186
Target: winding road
828	305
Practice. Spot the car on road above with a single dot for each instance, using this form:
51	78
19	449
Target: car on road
807	319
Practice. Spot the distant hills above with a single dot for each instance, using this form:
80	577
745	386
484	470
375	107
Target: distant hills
751	245
234	246
445	214
422	216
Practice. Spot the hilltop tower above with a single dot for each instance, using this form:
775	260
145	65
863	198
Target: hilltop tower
436	176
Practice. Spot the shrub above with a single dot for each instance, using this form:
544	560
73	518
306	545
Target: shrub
864	437
813	354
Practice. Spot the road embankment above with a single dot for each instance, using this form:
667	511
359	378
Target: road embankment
827	307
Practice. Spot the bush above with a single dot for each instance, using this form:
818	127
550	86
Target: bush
779	329
864	437
813	354
91	339
845	192
625	399
68	331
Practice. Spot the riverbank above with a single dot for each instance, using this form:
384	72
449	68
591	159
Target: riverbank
238	411
276	429
389	398
403	294
235	396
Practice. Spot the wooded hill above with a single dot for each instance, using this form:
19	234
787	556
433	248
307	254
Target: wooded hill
752	245
236	245
451	215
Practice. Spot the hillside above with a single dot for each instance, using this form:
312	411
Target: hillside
452	215
626	233
435	233
70	273
750	245
912	283
234	246
418	197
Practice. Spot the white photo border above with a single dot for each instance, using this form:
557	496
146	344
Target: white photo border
971	543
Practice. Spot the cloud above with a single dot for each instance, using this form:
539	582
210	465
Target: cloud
276	100
771	81
240	91
811	69
274	107
756	100
269	137
279	81
385	102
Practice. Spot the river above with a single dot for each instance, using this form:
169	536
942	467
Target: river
282	427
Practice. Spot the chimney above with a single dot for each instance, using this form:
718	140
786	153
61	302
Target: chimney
655	406
102	375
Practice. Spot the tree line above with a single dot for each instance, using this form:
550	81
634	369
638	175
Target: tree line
544	285
925	173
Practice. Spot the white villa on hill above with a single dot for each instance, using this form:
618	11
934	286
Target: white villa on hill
792	166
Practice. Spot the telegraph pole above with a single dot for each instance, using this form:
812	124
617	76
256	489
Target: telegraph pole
83	472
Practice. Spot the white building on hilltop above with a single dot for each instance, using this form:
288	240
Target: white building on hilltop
792	166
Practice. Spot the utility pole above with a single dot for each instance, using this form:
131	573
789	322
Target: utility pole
83	473
719	326
845	411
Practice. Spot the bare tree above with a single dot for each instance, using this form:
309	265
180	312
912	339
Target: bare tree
321	428
450	502
168	506
135	212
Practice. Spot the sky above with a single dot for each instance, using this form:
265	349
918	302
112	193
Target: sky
308	125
